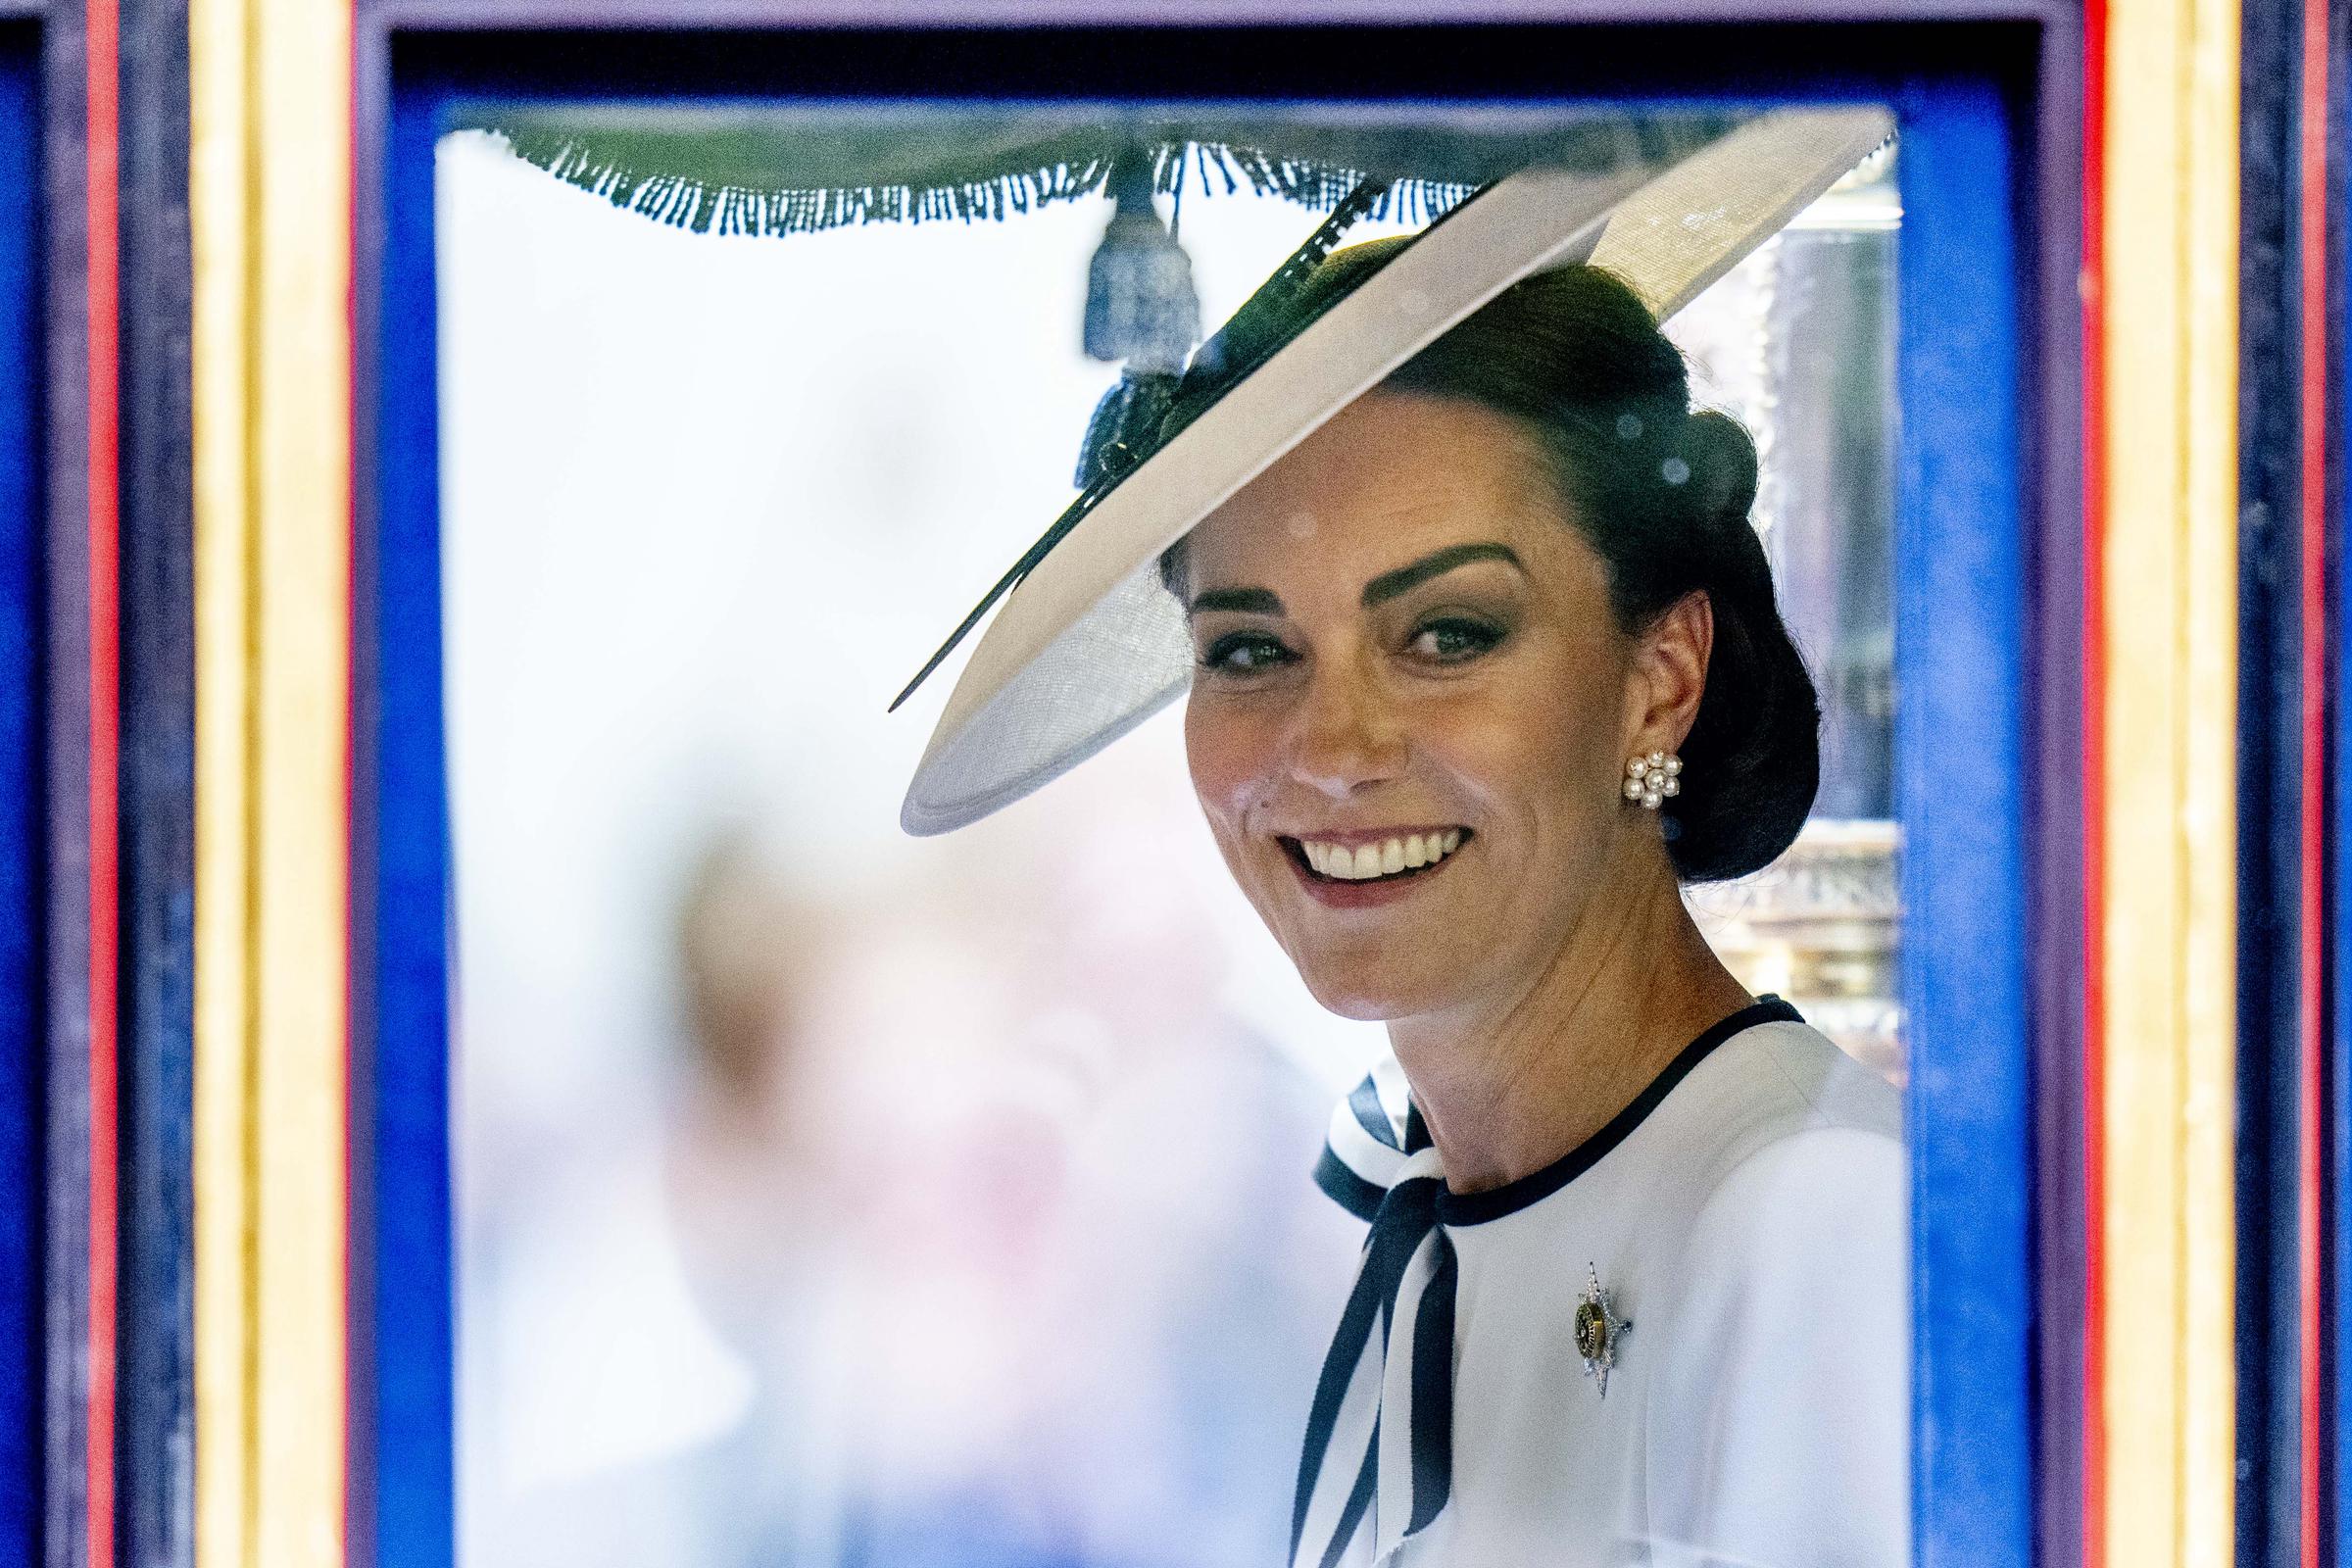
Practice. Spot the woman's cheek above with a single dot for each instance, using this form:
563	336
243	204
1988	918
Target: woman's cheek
1474	741
1520	755
1227	761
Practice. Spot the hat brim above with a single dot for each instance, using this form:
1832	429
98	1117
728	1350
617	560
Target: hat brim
1089	644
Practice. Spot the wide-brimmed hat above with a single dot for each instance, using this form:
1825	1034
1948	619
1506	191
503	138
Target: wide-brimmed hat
1087	643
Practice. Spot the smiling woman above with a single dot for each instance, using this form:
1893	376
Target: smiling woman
1448	704
1485	666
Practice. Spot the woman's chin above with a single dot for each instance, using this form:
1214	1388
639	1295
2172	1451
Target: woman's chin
1363	1010
1369	997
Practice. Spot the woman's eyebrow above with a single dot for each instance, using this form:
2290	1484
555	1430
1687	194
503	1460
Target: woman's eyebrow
1389	585
1240	601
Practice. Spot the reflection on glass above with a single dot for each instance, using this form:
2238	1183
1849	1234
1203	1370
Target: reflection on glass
1798	342
830	1199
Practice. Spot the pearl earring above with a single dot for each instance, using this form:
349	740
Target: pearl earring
1653	778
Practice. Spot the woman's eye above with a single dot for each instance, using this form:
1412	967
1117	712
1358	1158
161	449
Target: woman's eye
1450	641
1244	654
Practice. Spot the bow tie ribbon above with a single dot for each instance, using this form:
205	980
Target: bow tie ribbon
1379	1454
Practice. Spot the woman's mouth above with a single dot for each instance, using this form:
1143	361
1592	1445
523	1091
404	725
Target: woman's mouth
1366	869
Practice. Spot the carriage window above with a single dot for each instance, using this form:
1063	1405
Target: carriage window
830	1195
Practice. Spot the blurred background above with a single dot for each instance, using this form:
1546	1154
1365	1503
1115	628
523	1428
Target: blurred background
829	1197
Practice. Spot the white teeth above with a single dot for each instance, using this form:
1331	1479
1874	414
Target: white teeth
1386	859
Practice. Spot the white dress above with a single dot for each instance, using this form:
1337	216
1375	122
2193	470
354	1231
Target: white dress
1747	1219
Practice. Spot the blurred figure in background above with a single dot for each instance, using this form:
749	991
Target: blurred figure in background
753	1200
1016	1267
653	1390
1126	1167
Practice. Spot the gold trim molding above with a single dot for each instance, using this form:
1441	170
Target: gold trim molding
2169	564
271	212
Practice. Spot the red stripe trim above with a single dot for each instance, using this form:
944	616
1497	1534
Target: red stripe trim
2094	824
2310	1020
103	37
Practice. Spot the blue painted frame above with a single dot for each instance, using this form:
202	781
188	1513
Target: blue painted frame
403	1385
1962	782
23	823
1969	272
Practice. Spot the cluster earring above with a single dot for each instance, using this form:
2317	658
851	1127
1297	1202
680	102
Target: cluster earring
1653	779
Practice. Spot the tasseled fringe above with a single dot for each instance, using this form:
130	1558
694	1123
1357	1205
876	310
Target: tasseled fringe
704	208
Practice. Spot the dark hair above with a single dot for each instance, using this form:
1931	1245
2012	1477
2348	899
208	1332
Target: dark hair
1661	493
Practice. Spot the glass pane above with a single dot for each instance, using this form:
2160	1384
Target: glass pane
831	1196
1798	342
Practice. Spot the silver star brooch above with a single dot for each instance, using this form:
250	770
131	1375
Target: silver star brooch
1598	1329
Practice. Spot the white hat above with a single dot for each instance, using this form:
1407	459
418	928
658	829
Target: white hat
1089	644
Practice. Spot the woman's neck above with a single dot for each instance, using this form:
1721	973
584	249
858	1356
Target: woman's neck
1511	1085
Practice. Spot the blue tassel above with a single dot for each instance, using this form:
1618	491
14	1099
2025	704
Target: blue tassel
1140	304
1125	427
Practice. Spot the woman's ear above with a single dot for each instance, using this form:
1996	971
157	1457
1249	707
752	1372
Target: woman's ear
1670	674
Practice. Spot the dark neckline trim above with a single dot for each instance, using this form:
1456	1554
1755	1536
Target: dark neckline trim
1476	1208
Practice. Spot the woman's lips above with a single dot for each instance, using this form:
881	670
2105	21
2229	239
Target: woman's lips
1392	865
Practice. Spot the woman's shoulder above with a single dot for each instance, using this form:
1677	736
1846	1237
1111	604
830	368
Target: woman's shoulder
1782	1363
1812	1083
1778	1083
1799	1177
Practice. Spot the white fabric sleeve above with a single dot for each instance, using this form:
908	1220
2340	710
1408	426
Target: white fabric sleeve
1777	1428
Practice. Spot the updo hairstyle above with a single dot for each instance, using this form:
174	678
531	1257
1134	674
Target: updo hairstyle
1661	493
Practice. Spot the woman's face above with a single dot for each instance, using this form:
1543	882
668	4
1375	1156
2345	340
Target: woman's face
1407	659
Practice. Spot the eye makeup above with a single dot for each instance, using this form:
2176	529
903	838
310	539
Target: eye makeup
1453	638
1261	650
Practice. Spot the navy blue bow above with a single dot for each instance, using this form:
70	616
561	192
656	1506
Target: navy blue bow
1379	1449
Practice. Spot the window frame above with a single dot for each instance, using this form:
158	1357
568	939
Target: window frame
1988	516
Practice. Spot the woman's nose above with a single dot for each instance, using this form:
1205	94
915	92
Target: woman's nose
1345	734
